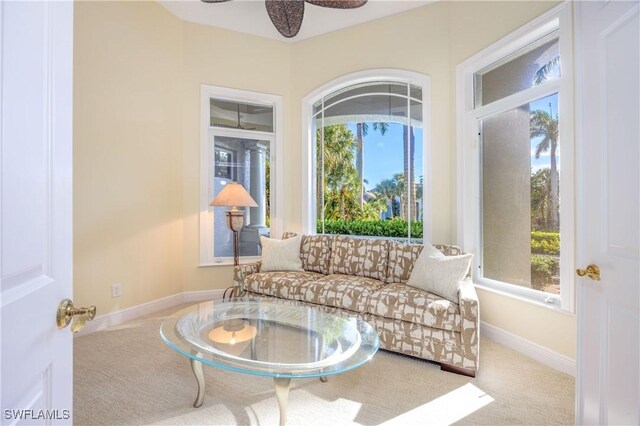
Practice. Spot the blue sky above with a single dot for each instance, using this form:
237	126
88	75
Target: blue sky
383	154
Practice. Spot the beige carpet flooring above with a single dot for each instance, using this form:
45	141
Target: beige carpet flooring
128	375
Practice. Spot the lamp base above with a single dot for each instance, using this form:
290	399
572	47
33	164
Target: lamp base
235	222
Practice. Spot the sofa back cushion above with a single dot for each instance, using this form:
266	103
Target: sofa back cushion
402	257
315	252
362	257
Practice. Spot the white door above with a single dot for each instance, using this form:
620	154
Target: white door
36	49
608	136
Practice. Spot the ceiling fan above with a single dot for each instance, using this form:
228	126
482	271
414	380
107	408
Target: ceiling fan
287	15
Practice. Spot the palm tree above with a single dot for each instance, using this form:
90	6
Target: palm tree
545	126
338	151
387	189
544	71
362	129
540	200
401	182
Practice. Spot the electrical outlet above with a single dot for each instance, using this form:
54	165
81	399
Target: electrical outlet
116	290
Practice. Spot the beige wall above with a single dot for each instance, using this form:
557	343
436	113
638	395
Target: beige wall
127	154
138	71
229	59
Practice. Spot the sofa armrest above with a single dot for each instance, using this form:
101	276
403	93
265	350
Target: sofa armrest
468	302
470	327
240	272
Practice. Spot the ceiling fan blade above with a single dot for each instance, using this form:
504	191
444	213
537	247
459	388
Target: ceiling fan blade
338	4
286	15
214	1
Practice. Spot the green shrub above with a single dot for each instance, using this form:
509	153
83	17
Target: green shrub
541	242
545	243
543	269
379	228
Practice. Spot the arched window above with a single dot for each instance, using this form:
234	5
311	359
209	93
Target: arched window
368	169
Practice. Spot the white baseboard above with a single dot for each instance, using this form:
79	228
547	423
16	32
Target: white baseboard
199	296
112	319
532	350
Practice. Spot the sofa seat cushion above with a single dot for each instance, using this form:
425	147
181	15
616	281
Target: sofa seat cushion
282	284
340	291
401	302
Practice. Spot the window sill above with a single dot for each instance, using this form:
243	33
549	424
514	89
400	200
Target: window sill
537	299
229	262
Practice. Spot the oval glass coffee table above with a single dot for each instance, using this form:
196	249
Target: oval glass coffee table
268	338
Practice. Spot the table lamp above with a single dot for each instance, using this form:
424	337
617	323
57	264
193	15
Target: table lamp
234	195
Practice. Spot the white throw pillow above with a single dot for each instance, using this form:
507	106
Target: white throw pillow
431	251
440	275
281	255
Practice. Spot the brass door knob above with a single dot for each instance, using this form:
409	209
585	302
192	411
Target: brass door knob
592	271
77	317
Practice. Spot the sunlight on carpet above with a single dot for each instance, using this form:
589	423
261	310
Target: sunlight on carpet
448	408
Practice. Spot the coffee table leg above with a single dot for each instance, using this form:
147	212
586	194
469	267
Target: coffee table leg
282	395
196	366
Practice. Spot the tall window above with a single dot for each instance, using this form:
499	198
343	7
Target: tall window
369	160
238	143
517	95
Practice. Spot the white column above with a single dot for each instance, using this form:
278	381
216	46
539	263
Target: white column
257	186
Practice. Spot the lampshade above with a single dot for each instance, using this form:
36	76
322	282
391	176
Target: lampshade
233	195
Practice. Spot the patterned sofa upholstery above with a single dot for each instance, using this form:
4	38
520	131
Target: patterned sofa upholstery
367	278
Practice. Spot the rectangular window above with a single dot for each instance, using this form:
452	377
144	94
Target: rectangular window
520	197
523	69
244	116
518	120
245	161
239	141
224	164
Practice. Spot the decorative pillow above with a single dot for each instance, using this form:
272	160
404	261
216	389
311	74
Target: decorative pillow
440	275
402	258
431	251
281	255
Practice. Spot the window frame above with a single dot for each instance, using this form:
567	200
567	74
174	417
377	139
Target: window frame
469	179
232	156
309	203
207	133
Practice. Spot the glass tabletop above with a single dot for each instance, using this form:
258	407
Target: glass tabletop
270	338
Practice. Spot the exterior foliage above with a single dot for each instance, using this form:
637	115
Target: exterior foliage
545	243
545	126
341	185
397	228
543	271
